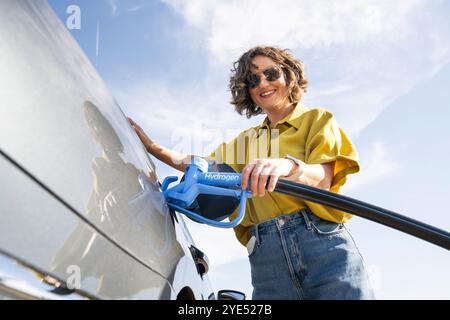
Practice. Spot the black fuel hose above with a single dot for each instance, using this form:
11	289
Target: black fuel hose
365	210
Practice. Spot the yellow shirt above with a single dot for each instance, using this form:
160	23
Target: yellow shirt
311	135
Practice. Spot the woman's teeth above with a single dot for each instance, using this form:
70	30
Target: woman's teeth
267	93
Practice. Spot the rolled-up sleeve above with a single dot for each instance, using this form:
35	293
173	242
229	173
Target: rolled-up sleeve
326	143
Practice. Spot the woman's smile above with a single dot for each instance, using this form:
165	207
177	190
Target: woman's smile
267	94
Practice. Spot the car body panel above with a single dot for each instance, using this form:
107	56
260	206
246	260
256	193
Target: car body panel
48	236
69	132
61	127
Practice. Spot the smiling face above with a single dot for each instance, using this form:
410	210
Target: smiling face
269	95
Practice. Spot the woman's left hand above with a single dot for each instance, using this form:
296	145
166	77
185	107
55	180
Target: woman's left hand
260	170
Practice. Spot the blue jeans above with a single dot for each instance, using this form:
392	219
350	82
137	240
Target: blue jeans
301	256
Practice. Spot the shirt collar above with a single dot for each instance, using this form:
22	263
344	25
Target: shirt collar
292	118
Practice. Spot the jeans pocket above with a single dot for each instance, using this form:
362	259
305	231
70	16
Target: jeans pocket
325	227
253	246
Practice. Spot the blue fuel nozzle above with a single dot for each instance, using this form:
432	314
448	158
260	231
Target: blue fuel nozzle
222	188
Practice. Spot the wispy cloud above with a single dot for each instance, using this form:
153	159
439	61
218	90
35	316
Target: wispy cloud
376	164
135	8
113	4
233	25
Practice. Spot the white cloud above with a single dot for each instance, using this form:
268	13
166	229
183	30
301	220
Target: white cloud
233	25
360	55
376	163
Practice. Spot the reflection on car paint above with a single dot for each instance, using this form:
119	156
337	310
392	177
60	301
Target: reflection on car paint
121	192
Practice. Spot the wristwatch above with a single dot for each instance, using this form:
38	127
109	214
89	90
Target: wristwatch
298	172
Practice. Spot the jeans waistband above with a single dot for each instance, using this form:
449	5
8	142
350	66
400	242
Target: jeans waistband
281	222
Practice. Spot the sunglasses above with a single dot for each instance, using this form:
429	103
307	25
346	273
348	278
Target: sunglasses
271	74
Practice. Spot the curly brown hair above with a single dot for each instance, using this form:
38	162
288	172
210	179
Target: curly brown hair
293	71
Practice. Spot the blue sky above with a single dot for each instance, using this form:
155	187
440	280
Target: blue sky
382	67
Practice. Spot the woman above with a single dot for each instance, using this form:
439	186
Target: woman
297	249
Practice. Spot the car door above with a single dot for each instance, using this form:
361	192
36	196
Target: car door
59	122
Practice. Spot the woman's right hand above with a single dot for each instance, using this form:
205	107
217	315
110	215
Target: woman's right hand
141	134
172	158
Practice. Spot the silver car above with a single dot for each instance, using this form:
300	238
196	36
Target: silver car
82	214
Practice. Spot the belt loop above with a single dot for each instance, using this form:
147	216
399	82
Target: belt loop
307	219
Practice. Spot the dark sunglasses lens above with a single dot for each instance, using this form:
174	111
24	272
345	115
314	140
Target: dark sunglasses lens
253	80
272	74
